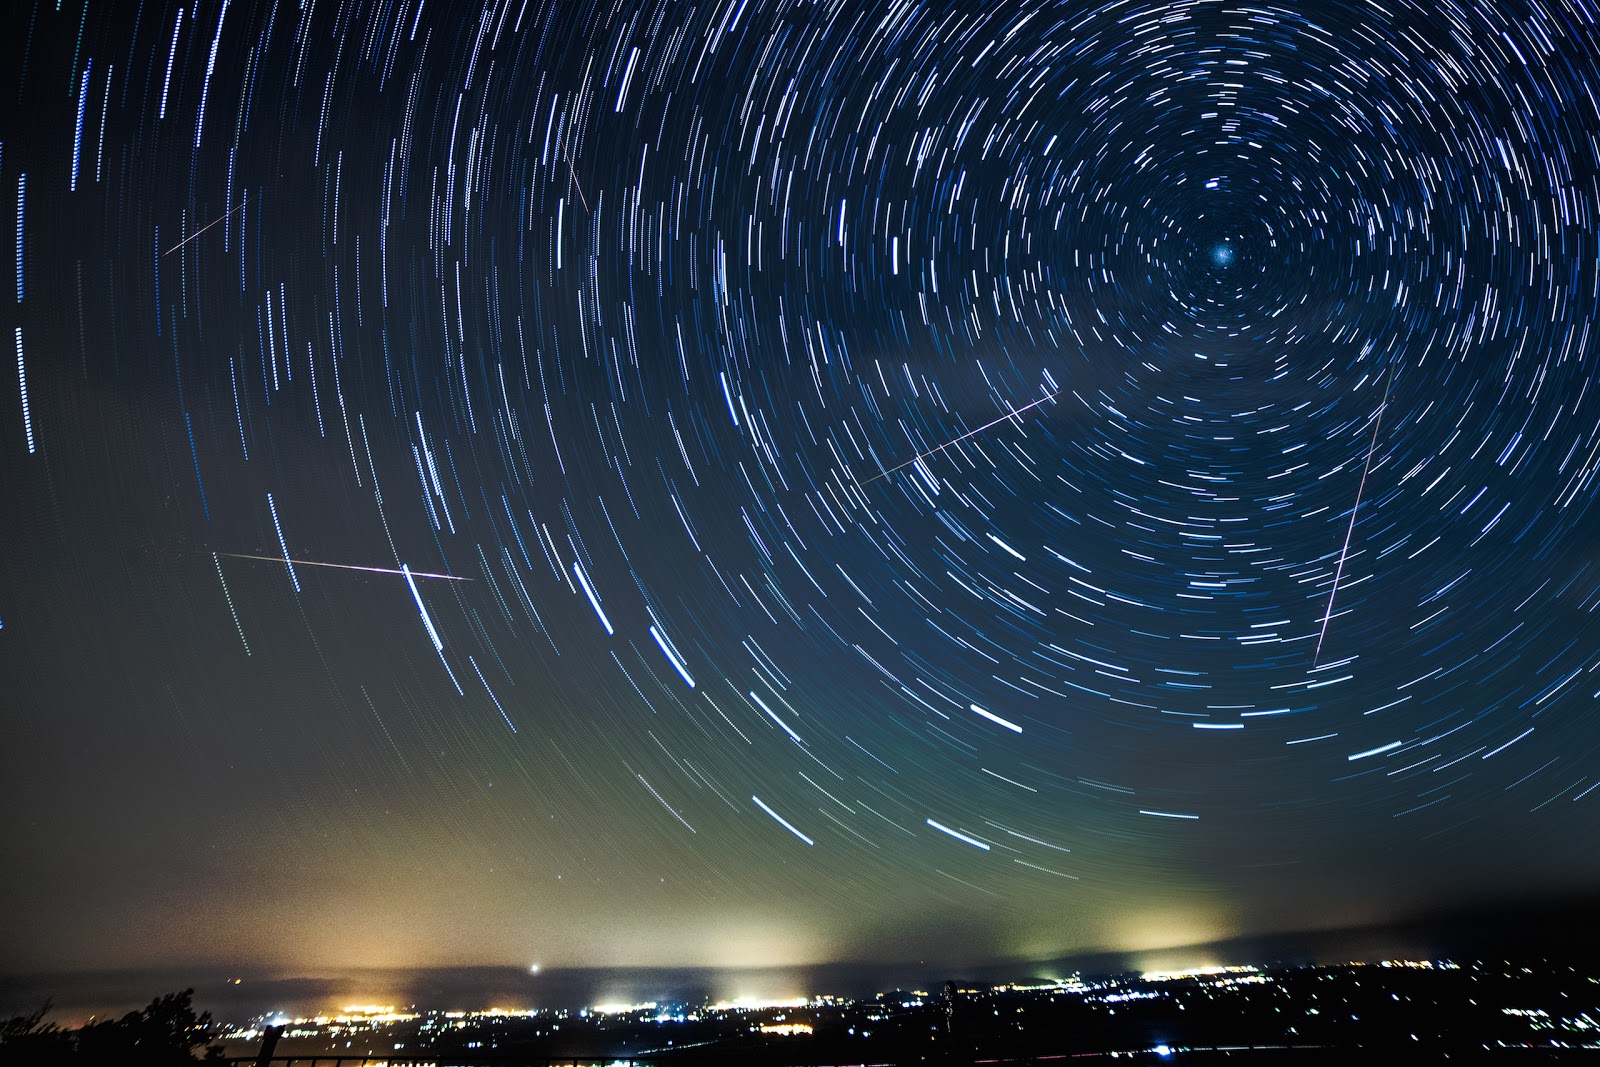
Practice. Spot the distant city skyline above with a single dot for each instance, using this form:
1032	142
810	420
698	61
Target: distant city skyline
787	483
1432	1008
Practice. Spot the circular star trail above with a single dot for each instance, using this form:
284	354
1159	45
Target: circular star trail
1048	475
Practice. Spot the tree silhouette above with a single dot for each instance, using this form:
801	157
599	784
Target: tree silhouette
28	1039
167	1033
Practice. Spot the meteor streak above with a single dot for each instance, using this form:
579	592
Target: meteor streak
344	566
1345	551
970	433
579	186
203	229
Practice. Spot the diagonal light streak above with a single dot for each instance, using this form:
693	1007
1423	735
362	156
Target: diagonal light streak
1345	551
343	566
963	437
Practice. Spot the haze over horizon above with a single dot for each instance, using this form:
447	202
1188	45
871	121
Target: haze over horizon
1553	931
777	483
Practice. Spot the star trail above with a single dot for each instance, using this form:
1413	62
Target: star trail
890	477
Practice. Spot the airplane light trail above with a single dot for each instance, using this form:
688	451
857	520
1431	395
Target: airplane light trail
1345	551
970	433
345	566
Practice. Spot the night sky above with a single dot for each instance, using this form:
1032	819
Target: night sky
749	483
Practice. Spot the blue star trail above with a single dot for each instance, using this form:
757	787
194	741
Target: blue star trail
1164	429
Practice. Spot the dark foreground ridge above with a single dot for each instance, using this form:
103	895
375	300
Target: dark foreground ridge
1397	1012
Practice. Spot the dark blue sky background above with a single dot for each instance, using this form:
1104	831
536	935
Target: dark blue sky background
750	484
